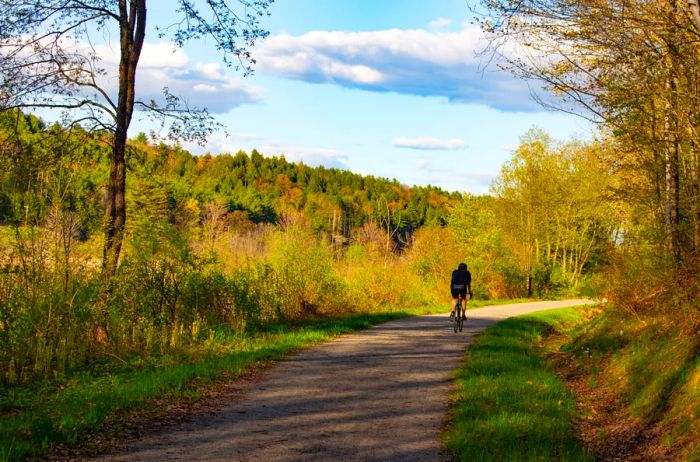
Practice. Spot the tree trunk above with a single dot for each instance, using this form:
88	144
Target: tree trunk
115	213
658	177
675	197
694	8
672	199
132	30
695	195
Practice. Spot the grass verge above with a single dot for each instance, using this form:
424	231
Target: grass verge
638	381
482	303
509	403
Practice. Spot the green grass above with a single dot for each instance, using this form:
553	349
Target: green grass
625	348
509	403
35	418
653	368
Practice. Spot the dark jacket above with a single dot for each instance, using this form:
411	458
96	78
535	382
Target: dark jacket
461	281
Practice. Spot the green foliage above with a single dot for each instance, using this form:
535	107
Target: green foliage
304	277
46	306
43	168
180	276
649	366
492	264
510	405
552	211
231	241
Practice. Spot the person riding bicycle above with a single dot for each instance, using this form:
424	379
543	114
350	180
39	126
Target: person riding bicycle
461	284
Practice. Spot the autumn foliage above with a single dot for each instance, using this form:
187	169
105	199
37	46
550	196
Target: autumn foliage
237	243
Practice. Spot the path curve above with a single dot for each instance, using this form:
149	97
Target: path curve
375	395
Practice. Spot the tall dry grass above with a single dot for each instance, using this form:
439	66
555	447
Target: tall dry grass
175	290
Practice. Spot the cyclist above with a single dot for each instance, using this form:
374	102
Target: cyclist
461	284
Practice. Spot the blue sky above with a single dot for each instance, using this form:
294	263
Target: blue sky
390	88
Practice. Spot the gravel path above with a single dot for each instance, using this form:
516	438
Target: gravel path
376	395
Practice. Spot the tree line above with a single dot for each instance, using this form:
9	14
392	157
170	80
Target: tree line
632	67
236	190
239	241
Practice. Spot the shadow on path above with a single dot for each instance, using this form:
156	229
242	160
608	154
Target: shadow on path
380	394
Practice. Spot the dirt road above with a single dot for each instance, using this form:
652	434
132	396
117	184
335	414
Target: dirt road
379	394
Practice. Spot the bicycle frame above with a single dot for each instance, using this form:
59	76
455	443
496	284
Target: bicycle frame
459	311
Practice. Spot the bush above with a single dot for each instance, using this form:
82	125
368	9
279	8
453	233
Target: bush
303	275
46	307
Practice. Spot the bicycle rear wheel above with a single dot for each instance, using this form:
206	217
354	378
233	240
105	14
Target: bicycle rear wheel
458	313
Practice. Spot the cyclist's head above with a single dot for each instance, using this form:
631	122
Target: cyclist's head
462	266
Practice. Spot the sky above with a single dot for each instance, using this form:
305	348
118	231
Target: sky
391	88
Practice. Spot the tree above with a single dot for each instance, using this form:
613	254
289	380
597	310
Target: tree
48	59
630	65
552	208
478	231
523	187
694	9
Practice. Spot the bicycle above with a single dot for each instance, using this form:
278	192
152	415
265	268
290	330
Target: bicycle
459	319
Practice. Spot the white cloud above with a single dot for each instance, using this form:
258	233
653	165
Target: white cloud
328	157
429	144
210	70
456	180
440	23
203	88
199	85
196	88
358	74
416	61
158	55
